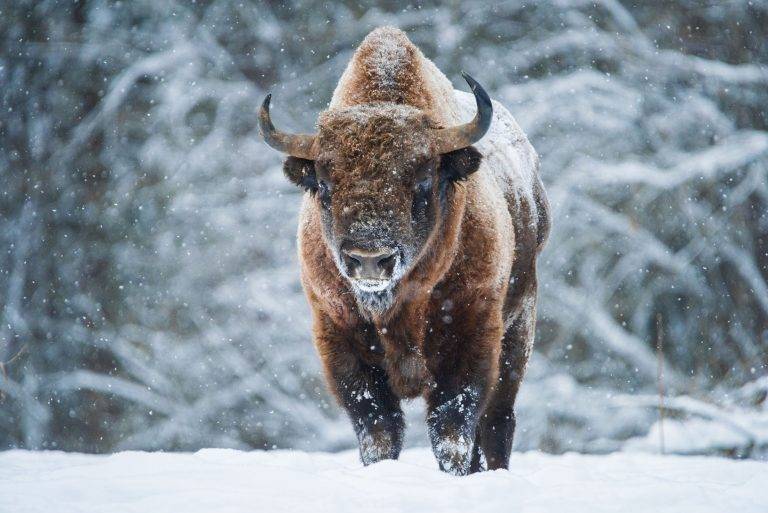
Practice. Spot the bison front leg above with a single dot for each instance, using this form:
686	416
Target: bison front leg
363	391
374	411
465	368
452	417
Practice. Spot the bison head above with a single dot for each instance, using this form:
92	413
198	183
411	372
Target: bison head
381	174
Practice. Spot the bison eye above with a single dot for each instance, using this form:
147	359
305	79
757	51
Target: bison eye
421	194
324	192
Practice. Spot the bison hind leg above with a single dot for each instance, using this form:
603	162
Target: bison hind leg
497	424
496	433
478	463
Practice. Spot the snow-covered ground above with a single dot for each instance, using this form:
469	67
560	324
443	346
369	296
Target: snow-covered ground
223	481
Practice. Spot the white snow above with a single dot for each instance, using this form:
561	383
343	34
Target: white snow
224	481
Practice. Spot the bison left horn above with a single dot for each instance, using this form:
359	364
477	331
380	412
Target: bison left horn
296	145
461	136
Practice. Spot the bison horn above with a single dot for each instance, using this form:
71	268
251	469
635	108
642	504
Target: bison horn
461	136
296	145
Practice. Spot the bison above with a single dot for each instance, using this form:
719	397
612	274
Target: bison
418	238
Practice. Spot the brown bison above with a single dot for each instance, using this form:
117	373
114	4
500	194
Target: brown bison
418	240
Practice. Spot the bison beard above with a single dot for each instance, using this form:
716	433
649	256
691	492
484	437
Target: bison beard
418	253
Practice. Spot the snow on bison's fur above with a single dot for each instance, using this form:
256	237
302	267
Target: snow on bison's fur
418	241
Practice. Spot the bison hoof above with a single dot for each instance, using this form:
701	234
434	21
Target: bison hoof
454	454
377	446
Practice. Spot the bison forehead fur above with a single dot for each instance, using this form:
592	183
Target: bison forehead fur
457	326
371	154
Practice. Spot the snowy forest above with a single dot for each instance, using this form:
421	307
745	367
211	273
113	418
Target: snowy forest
149	284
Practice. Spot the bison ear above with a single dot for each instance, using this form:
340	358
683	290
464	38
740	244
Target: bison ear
459	164
301	172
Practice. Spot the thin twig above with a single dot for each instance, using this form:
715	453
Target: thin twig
4	365
660	380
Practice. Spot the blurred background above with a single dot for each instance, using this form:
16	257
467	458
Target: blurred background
149	293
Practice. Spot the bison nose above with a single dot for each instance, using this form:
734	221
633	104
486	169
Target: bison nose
370	265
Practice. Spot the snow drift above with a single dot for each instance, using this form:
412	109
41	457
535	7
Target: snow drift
229	481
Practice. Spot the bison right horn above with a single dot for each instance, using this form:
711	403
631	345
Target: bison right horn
296	145
458	137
